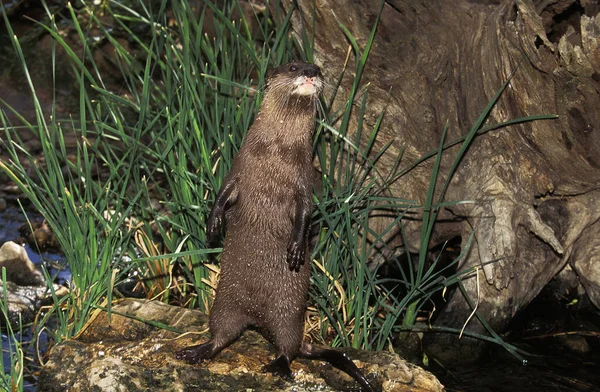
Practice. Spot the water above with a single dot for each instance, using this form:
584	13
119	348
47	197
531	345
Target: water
12	219
564	341
559	372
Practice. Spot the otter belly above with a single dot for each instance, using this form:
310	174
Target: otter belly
256	279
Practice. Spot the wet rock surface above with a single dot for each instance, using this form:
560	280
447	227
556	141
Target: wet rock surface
131	355
25	287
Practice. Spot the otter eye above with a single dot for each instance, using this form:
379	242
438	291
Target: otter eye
293	68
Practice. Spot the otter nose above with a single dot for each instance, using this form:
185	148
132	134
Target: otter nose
311	71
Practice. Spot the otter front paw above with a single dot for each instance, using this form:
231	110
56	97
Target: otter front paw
213	227
295	255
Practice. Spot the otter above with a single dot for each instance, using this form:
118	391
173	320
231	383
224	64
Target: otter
265	202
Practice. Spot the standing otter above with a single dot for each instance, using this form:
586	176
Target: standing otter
266	201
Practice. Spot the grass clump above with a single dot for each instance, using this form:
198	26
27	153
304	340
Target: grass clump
158	121
12	346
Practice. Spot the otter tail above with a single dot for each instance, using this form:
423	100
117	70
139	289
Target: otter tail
338	360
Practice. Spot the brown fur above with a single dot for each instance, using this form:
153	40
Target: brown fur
266	201
274	172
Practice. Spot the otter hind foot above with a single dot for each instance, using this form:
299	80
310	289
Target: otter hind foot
196	354
280	367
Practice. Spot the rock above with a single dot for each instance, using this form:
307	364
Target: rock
576	344
39	235
26	290
19	269
129	355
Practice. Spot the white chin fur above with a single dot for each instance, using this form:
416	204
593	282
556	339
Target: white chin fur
306	86
305	89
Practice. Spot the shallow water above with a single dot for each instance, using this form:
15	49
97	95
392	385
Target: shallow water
559	362
557	373
11	219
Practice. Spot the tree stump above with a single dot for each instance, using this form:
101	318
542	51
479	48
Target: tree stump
535	186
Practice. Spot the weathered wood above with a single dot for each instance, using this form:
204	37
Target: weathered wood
534	184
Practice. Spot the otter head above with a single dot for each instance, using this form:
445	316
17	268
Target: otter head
296	79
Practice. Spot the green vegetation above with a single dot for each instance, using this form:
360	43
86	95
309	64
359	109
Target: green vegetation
154	143
12	381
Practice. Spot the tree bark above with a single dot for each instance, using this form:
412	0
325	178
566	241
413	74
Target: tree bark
536	186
